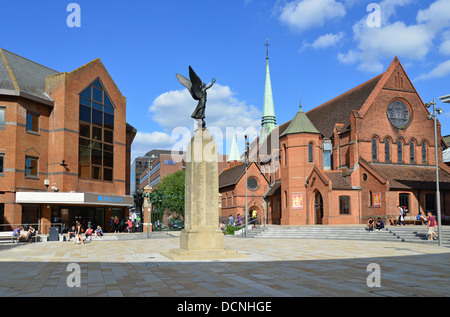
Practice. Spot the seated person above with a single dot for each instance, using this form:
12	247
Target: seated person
23	234
99	231
71	233
16	234
370	224
88	233
222	226
31	233
379	225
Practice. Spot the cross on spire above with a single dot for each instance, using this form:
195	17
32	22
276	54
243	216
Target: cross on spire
267	48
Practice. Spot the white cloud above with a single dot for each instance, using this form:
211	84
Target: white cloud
349	58
326	41
172	111
437	16
307	14
409	42
442	70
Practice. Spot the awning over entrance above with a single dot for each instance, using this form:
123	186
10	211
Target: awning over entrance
73	199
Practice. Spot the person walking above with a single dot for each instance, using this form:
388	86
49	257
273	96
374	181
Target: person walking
78	231
401	215
230	220
431	225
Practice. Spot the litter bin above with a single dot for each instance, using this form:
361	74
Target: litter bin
53	234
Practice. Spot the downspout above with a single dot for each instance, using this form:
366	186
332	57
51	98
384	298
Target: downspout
307	201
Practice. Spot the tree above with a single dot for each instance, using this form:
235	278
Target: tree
169	194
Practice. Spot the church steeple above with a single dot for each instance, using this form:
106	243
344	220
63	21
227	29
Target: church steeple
268	122
234	151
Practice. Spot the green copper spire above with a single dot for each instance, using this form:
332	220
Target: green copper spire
269	121
300	124
234	151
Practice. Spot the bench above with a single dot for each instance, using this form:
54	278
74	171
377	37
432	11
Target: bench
9	234
409	220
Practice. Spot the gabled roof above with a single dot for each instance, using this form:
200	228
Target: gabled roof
338	110
231	176
22	77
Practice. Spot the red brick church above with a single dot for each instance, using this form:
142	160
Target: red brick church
357	156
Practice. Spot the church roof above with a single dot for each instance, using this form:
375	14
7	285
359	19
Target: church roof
300	124
231	176
22	77
338	110
413	177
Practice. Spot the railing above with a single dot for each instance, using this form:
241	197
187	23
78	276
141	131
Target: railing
41	228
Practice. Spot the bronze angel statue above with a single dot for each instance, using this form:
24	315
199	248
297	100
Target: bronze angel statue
198	91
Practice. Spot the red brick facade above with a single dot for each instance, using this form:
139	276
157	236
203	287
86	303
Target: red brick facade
367	128
57	140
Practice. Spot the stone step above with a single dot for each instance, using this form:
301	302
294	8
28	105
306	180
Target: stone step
404	234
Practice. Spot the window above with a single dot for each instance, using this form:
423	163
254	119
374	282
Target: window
403	200
96	140
31	167
2	163
344	205
252	184
32	122
412	152
310	153
2	118
374	150
424	152
387	151
327	154
400	151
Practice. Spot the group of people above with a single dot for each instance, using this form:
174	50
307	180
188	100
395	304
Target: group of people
430	220
238	221
20	233
77	231
129	225
375	225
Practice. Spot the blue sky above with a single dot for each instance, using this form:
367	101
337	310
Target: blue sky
319	49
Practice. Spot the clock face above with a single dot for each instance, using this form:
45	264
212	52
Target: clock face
398	114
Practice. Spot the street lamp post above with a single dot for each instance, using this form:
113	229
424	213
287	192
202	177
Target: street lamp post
246	183
433	117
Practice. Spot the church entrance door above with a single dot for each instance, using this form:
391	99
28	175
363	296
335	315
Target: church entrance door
318	207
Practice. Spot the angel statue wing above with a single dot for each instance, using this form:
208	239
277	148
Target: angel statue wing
194	85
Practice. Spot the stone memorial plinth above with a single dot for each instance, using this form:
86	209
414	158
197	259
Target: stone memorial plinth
201	238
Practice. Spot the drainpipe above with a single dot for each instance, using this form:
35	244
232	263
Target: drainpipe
307	201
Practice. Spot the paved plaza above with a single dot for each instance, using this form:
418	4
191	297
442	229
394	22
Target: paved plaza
274	268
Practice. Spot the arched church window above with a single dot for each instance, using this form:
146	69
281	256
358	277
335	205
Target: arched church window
374	149
387	150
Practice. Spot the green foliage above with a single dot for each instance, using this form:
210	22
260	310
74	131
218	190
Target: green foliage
169	194
230	230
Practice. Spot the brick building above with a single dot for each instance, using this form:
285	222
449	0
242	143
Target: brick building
357	156
64	145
